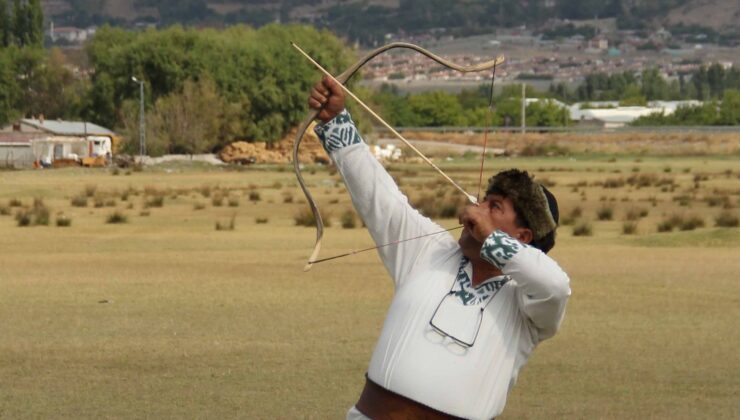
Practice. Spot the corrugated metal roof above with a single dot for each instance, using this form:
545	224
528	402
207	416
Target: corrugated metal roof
68	128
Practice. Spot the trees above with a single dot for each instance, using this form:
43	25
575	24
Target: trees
255	72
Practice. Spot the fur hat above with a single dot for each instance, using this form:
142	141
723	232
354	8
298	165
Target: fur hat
532	201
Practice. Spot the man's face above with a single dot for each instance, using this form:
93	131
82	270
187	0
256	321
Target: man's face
500	211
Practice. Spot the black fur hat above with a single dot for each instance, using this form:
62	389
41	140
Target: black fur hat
532	201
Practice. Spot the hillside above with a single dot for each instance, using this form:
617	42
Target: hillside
368	21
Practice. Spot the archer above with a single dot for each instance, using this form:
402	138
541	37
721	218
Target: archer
466	313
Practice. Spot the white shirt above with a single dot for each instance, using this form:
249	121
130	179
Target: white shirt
411	358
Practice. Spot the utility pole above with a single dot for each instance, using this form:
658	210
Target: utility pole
524	108
142	120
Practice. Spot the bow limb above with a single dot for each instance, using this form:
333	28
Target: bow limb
342	78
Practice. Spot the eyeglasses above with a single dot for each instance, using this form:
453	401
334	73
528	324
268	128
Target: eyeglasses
459	322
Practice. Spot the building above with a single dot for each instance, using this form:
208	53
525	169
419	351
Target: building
38	142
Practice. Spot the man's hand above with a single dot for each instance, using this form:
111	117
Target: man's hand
327	96
477	220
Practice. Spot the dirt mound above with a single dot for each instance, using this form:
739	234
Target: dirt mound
278	152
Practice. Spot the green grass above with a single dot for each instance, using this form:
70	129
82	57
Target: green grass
164	317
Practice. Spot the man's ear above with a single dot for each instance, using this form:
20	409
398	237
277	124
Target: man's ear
524	235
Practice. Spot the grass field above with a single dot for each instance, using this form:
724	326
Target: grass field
164	316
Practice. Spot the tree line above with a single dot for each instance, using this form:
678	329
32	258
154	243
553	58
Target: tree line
204	88
21	23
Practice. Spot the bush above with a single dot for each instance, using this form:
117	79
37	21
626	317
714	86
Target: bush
348	219
37	215
205	191
233	202
305	217
217	200
261	220
145	213
582	229
90	190
23	218
254	196
635	214
614	183
692	222
231	225
4	211
667	225
287	197
629	228
63	221
199	206
726	219
155	201
116	218
14	202
605	213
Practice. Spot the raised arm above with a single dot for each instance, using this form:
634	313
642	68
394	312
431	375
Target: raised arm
382	206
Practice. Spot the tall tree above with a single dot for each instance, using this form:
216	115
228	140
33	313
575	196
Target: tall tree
20	30
4	24
35	23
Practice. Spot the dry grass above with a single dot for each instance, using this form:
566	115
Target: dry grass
164	317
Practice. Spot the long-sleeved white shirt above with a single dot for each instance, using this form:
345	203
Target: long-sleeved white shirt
432	279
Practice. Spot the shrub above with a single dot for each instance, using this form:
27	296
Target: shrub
23	218
605	213
287	197
614	183
63	221
4	211
334	201
305	217
14	202
155	201
115	172
582	229
692	222
116	218
277	185
205	191
233	202
261	220
217	200
145	213
199	206
254	196
726	219
348	219
717	200
635	214
668	224
90	190
110	202
629	227
682	200
231	225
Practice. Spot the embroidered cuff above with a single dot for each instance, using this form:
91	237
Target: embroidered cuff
338	133
499	248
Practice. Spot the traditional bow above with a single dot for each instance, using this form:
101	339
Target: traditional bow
342	78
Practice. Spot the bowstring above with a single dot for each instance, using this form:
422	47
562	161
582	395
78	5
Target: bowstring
480	184
485	131
384	245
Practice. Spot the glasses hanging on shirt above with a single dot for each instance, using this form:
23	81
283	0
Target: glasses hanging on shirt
457	321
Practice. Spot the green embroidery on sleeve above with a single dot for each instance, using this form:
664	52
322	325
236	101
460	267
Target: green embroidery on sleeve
499	248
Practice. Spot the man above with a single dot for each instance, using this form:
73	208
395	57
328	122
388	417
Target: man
466	314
